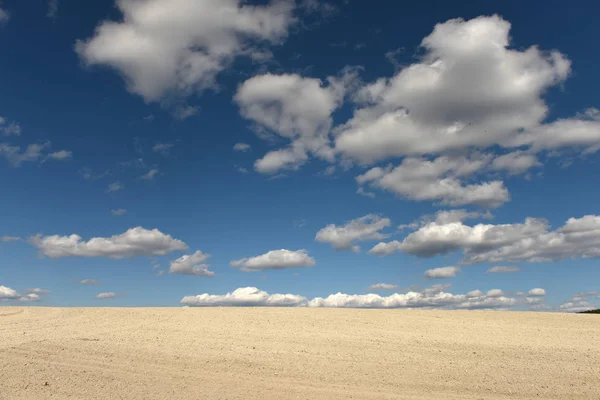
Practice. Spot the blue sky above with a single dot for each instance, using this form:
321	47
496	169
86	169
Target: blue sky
461	135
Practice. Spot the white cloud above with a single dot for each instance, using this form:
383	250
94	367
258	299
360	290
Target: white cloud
38	291
193	264
516	162
178	47
6	239
537	292
502	270
118	212
33	152
61	155
296	108
184	112
441	179
9	129
361	229
114	187
162	148
495	293
361	191
89	282
469	90
106	295
382	286
8	294
275	259
252	296
475	293
443	272
133	243
531	241
241	147
249	296
150	174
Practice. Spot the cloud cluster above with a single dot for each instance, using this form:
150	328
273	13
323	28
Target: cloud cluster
360	229
275	259
193	264
531	241
136	242
8	294
252	296
177	47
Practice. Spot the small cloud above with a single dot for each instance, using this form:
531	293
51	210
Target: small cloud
12	129
362	192
89	282
300	223
185	112
38	291
329	170
114	187
242	170
61	155
150	174
89	175
537	292
4	16
106	295
382	286
162	148
441	273
118	212
148	118
495	293
52	9
243	147
155	267
7	239
161	273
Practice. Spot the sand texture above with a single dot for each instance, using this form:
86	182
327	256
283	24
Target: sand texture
300	353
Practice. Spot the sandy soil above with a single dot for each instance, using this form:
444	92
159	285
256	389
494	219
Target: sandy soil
260	353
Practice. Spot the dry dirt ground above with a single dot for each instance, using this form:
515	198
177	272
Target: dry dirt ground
299	353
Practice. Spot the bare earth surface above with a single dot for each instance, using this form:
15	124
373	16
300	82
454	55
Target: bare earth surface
266	353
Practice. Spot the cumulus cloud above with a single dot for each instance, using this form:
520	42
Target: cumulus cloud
249	296
440	273
295	108
469	90
193	264
360	229
382	286
106	295
135	242
537	292
499	269
178	47
241	147
531	241
441	179
275	259
8	294
252	296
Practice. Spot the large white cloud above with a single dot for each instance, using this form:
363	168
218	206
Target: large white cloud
162	47
360	229
296	108
252	296
249	296
275	259
441	179
133	243
193	264
470	89
531	241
